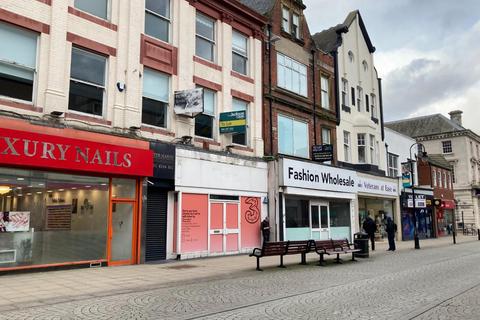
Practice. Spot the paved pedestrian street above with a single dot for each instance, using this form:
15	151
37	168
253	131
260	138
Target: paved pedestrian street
440	281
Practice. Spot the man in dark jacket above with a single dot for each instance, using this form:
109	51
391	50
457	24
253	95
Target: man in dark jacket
391	228
265	227
370	228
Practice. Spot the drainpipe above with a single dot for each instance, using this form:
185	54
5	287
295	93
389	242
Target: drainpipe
270	86
337	97
314	100
381	108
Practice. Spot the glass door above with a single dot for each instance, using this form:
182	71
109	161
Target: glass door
320	220
315	221
324	221
122	233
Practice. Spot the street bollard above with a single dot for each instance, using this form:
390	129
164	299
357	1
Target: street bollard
478	233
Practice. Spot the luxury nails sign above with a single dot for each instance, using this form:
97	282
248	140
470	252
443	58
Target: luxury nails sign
45	151
302	174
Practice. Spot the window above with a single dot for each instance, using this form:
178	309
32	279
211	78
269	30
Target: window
374	106
98	8
359	99
351	57
204	121
156	88
18	60
157	19
240	105
296	212
365	65
239	52
434	177
87	82
353	96
205	37
296	25
471	148
367	103
326	136
292	75
286	19
292	137
452	164
344	92
439	176
372	149
346	146
445	185
325	92
392	165
447	146
449	181
361	148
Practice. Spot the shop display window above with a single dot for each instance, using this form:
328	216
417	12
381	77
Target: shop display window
378	210
339	214
297	213
51	218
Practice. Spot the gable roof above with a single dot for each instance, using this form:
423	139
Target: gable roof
426	125
261	6
328	39
439	160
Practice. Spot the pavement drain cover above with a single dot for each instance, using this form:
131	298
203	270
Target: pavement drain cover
182	266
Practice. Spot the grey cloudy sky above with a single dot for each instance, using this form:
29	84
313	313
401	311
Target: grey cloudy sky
428	52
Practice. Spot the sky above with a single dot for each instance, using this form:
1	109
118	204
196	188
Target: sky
427	52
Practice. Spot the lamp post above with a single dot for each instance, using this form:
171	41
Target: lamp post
415	230
454	222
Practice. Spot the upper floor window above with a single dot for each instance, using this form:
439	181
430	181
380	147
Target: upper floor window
326	139
373	106
372	149
445	185
359	98
362	156
286	19
447	146
367	103
204	122
452	164
87	82
353	95
449	179
392	165
344	92
205	37
239	52
346	146
434	177
296	25
18	61
240	138
365	65
98	8
292	137
439	176
157	19
292	75
351	57
324	83
156	88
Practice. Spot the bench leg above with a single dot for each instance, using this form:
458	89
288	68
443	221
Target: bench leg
321	262
353	256
281	263
304	259
338	260
258	264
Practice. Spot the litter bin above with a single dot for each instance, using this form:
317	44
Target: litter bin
361	242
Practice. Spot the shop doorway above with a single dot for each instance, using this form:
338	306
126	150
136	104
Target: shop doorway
224	232
320	220
122	233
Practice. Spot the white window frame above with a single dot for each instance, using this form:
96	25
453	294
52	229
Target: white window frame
372	148
373	106
104	87
296	30
247	113
434	177
392	165
346	146
447	147
213	42
213	115
167	111
286	19
326	132
361	137
325	91
245	56
169	20
284	68
359	98
345	92
439	175
293	137
445	180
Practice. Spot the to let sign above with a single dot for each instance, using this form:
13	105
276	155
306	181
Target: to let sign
233	122
26	149
322	152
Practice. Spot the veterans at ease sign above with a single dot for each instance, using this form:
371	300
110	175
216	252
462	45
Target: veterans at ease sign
233	122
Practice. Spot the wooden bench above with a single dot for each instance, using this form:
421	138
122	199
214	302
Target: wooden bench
281	249
333	247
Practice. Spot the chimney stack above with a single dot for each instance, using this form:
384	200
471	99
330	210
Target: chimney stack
456	116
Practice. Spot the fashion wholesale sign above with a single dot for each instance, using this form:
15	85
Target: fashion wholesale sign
375	186
19	148
319	177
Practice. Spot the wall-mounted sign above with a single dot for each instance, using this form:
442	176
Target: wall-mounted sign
233	122
163	160
322	152
188	102
21	148
420	201
377	186
309	175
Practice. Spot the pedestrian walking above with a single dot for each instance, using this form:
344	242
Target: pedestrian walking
370	228
265	227
391	229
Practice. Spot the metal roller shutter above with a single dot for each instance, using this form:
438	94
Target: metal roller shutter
156	225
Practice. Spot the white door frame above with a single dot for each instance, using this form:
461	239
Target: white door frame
320	204
224	231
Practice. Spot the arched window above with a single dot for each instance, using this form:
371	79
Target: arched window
351	57
365	65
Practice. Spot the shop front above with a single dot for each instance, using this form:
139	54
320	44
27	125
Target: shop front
220	203
315	201
378	197
67	198
444	217
423	211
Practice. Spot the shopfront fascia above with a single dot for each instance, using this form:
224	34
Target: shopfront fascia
315	201
219	203
378	197
68	198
